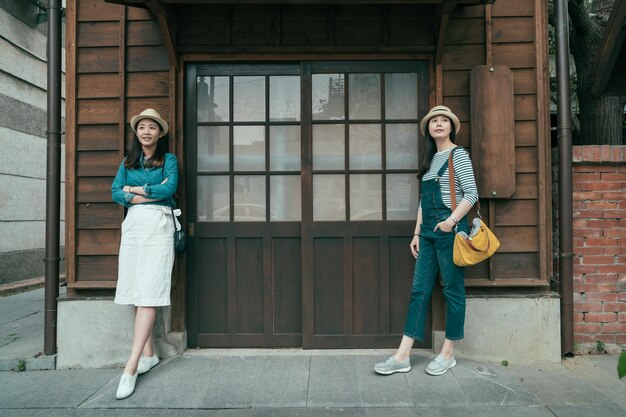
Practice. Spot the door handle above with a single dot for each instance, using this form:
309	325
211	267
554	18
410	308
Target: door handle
191	229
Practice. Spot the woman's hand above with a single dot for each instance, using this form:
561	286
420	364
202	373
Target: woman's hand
415	246
446	226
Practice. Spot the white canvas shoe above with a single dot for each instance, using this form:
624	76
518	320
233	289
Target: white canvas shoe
126	387
146	363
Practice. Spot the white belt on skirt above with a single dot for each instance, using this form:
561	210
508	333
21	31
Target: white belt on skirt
165	212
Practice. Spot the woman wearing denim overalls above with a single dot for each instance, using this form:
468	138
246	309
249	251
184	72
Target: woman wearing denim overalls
433	241
145	183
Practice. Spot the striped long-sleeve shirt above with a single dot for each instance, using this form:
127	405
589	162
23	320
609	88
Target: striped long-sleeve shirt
464	182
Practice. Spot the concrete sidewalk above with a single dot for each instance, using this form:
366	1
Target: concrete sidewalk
294	382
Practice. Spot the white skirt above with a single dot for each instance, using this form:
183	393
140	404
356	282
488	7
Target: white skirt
146	257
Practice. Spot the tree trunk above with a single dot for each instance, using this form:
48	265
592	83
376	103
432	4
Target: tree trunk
601	120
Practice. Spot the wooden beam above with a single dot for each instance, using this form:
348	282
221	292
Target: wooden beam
168	22
296	2
442	15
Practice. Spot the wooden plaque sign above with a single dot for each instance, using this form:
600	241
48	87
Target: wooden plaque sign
493	130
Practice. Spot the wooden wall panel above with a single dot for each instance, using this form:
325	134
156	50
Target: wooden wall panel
143	33
513	29
97	164
147	84
98	215
98	34
328	287
137	105
526	133
513	8
466	31
93	189
366	277
97	11
98	59
287	285
514	55
97	268
215	286
103	111
249	285
97	138
146	58
97	242
98	86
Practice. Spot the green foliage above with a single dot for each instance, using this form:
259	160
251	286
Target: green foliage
505	363
21	366
621	365
600	347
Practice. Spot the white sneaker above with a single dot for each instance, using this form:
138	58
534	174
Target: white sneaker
126	387
146	363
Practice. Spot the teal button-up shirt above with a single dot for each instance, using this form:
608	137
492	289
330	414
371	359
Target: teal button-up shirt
151	179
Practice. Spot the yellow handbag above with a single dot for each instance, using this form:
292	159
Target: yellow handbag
481	243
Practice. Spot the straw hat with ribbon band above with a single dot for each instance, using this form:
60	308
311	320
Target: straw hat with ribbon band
440	111
152	115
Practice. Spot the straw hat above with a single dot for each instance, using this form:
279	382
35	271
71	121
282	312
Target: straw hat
152	115
440	111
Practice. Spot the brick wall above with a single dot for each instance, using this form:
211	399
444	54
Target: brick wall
599	220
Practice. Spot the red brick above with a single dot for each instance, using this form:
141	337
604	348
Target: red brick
611	268
586	269
614	307
588	307
612	328
588	328
587	214
585	338
620	338
607	287
606	297
594	317
606	338
621	296
610	176
589	176
598	260
580	317
579	196
613	250
580	232
613	195
602	241
590	278
615	232
605	153
622	205
604	205
614	214
621	317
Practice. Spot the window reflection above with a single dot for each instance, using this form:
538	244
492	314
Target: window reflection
249	148
213	99
328	96
401	96
366	197
249	99
249	196
329	199
285	199
364	96
284	98
402	143
213	198
365	149
402	196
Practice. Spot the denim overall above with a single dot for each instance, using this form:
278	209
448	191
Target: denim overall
435	255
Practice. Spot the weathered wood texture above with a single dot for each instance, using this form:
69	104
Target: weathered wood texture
118	65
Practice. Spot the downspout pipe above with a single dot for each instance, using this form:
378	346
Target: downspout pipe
564	127
53	177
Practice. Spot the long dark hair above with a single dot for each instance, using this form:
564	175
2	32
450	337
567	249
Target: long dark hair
430	149
156	160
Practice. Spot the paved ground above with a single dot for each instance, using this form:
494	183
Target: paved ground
246	383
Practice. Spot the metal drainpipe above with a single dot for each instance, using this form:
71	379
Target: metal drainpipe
53	177
564	123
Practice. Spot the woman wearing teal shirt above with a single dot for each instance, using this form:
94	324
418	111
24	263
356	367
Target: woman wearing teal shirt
146	182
